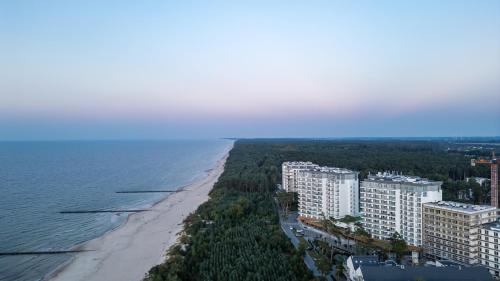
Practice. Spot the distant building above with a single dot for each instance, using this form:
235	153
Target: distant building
489	255
452	230
479	180
393	203
290	171
326	192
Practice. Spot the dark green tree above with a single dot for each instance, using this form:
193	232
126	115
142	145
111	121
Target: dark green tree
398	245
324	265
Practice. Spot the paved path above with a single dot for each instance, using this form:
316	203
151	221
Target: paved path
310	234
336	241
291	221
295	241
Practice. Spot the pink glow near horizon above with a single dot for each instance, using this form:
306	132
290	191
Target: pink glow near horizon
275	62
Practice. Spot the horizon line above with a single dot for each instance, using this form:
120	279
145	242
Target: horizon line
491	137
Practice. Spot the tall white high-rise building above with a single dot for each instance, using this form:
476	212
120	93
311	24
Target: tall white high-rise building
290	172
393	203
326	192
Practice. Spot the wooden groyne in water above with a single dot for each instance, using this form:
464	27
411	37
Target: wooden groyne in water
41	253
103	211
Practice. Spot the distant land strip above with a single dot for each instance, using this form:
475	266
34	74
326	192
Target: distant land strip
103	211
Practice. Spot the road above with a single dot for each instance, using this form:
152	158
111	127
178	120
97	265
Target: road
312	234
295	241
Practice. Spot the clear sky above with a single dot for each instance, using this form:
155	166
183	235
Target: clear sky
204	69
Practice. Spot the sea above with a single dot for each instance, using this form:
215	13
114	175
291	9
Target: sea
40	179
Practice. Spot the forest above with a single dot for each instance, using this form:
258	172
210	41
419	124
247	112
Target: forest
235	235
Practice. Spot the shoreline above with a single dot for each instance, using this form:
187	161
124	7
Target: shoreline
130	250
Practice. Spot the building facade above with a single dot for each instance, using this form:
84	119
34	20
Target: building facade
489	255
326	192
452	230
392	203
290	172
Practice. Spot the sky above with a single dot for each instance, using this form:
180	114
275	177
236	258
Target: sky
209	69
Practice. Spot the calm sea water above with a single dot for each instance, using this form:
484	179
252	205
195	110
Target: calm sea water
39	179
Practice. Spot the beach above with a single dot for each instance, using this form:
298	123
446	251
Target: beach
128	252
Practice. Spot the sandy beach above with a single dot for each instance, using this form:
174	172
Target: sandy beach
127	253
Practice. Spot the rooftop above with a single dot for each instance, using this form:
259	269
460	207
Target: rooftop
400	178
396	273
364	260
316	168
461	207
332	170
298	163
358	261
492	226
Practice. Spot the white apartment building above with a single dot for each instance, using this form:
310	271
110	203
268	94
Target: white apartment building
326	192
489	255
290	172
391	202
452	230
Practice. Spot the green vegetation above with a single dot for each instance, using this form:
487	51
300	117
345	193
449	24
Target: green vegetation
324	265
350	219
242	241
287	201
236	234
360	231
326	257
437	160
398	245
339	269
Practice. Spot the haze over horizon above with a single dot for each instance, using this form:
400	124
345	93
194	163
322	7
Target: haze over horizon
198	69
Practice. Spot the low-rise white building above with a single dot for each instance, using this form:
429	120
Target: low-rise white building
326	192
391	202
290	172
489	255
